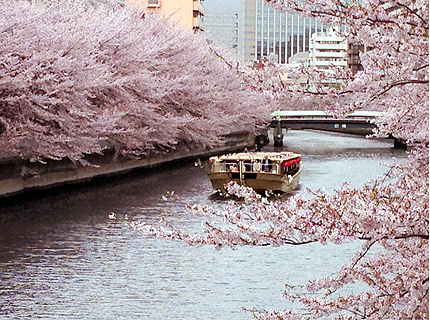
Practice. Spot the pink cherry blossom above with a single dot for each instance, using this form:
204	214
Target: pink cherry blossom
76	79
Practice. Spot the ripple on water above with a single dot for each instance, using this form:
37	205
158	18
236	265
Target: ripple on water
63	258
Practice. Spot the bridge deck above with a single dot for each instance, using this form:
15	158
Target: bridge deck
358	122
315	114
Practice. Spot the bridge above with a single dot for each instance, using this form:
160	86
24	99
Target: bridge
358	122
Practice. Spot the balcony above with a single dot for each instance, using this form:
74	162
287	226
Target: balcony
330	63
153	3
327	36
197	6
198	24
330	46
330	54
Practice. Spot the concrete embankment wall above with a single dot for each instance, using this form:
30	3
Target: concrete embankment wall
18	175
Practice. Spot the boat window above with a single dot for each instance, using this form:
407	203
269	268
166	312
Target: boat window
292	169
291	166
247	165
231	166
269	166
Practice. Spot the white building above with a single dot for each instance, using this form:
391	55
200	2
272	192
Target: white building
327	49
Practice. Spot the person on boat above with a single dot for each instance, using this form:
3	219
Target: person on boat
256	166
234	168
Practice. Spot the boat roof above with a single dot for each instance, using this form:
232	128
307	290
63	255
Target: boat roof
280	156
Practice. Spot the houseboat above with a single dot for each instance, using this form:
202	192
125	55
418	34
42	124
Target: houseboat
274	171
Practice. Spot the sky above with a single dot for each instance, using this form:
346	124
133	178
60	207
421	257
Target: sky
221	6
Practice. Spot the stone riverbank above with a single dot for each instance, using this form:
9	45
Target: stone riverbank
18	175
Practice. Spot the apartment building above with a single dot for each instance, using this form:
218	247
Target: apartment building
327	49
188	13
268	33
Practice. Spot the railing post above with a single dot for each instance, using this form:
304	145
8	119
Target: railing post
278	137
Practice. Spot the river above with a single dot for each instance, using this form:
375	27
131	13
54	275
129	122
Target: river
63	258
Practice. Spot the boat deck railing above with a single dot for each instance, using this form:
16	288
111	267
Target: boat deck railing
255	166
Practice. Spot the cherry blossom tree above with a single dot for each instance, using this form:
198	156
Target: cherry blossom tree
77	78
390	216
394	35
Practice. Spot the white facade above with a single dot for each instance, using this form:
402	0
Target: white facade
327	49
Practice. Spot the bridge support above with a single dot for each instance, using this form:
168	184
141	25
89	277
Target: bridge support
278	137
262	139
400	144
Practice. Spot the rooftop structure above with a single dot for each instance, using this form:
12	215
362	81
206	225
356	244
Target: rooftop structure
299	58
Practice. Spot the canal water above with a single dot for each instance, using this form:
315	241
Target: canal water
61	257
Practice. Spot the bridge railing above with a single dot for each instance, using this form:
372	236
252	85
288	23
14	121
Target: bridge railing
318	115
357	122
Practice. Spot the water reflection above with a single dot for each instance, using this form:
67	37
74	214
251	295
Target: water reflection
63	258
